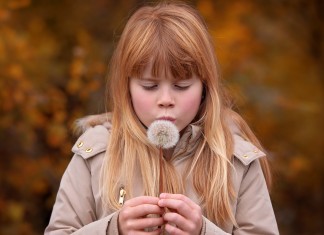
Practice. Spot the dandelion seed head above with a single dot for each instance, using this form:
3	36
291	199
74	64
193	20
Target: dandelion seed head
163	133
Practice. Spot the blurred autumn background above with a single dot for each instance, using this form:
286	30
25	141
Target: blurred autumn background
54	59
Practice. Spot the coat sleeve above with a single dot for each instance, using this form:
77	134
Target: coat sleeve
74	211
254	212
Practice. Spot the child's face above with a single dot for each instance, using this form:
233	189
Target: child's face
156	98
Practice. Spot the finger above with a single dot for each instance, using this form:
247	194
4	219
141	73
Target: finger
148	222
180	206
176	219
140	211
154	232
172	230
178	224
178	197
142	200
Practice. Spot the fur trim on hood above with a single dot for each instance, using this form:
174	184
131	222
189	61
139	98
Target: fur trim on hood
82	124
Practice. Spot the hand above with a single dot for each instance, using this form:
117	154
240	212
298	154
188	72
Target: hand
183	213
133	218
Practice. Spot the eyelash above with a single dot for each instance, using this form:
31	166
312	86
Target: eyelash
181	88
149	88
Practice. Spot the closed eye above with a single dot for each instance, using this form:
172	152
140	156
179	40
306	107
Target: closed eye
181	87
149	87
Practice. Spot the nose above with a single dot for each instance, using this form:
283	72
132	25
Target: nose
166	99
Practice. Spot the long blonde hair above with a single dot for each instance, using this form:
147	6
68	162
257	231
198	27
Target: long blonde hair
176	39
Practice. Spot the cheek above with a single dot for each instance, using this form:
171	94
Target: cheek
191	106
141	103
192	102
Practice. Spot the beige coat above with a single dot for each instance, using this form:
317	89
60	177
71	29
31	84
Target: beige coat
78	207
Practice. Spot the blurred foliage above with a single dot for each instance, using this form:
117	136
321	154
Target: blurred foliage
54	57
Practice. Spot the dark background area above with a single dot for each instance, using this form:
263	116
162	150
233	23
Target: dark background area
54	57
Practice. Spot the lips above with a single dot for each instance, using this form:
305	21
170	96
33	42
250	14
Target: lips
171	119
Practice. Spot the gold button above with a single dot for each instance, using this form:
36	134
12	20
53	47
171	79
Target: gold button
88	150
80	144
255	150
245	156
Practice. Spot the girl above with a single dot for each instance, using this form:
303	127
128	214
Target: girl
216	178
